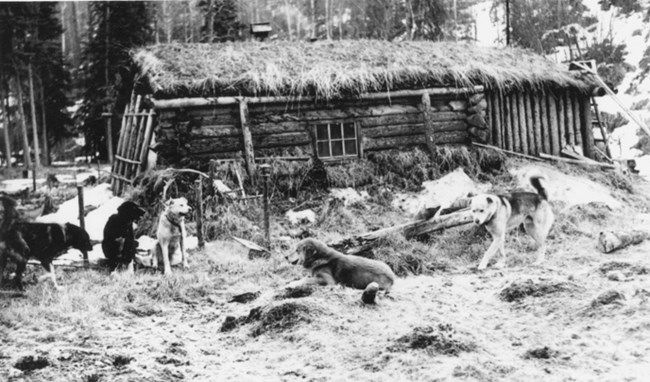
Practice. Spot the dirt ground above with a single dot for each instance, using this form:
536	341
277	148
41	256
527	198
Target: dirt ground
586	318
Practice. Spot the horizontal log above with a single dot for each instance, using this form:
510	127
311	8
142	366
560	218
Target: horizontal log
360	243
578	162
393	130
370	144
609	241
230	144
214	131
211	101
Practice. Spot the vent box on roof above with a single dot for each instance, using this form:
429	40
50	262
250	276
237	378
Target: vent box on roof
261	30
577	65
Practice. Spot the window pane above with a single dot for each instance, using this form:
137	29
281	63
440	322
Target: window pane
350	147
323	149
321	132
335	130
348	130
337	148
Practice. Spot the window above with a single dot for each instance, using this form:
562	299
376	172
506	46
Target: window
337	140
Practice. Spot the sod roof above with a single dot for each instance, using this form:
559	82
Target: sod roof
335	69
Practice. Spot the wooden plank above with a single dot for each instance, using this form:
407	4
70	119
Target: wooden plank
429	128
523	129
370	144
553	124
561	115
249	152
588	147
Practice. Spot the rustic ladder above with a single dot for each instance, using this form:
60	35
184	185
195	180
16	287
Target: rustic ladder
597	121
133	144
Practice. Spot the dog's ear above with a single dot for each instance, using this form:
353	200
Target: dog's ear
169	202
471	194
489	200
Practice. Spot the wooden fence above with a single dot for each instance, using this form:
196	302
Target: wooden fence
133	143
540	122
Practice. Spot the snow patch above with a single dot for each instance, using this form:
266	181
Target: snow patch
569	189
349	195
442	192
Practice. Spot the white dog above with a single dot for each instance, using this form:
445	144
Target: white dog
171	234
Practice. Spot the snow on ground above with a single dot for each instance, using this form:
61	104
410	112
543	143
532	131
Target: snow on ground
572	190
442	192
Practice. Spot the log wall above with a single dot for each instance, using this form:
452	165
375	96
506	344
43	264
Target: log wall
540	122
528	122
215	131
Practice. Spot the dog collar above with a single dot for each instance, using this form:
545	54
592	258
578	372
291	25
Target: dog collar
173	222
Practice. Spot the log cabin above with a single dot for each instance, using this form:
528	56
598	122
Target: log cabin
340	100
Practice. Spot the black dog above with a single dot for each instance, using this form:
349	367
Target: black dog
119	244
43	241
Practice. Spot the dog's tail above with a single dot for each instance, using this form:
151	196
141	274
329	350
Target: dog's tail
535	179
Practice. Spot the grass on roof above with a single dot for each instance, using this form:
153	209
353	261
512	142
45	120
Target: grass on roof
338	69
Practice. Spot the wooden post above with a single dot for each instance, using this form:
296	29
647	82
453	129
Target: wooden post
199	211
514	122
530	126
502	119
34	176
249	153
429	131
585	127
109	137
489	116
576	118
82	217
546	130
561	115
523	129
553	125
537	123
507	112
496	119
570	129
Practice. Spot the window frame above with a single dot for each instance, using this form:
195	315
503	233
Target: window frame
343	139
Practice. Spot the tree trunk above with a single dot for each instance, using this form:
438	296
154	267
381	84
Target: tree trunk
32	103
23	124
46	143
74	36
287	14
5	125
313	19
328	12
339	13
209	17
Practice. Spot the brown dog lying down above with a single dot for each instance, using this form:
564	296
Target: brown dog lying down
329	267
